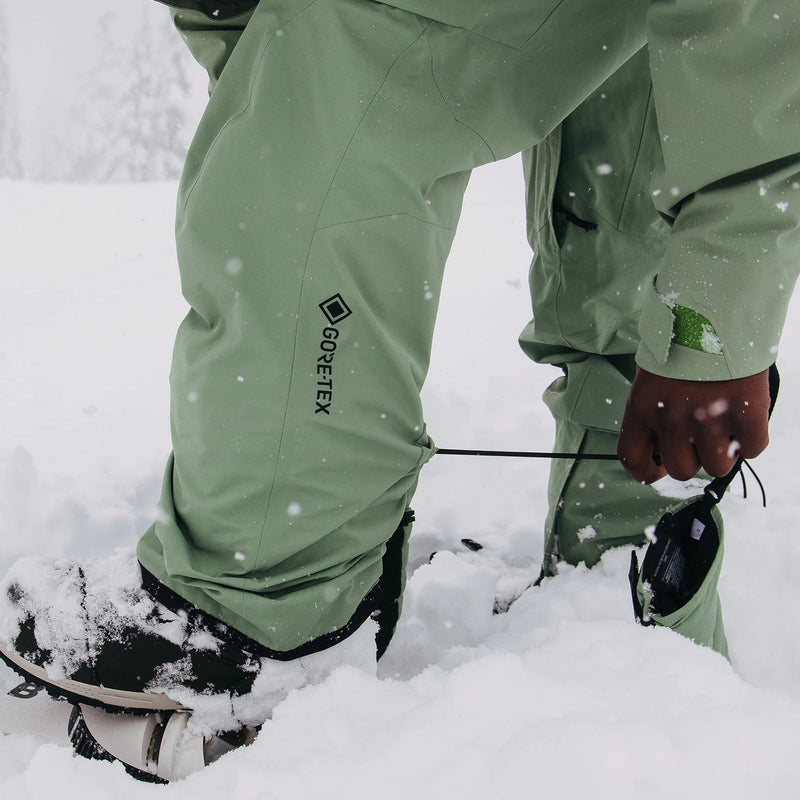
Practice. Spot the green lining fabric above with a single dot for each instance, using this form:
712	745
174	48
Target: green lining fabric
691	329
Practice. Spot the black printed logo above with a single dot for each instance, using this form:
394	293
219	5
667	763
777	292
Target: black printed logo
26	691
335	309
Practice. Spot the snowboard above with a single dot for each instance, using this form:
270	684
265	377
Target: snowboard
153	747
28	709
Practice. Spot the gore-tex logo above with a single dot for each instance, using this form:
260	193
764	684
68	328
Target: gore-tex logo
335	310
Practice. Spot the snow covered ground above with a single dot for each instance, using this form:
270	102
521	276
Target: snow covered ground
563	697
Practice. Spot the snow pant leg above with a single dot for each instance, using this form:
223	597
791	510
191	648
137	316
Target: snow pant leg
597	241
699	618
316	211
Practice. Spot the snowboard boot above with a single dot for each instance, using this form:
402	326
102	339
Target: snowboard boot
92	634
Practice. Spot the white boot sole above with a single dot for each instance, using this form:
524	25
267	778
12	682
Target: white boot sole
77	692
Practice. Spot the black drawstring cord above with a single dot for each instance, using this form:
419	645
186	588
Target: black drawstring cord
446	451
713	492
718	486
758	481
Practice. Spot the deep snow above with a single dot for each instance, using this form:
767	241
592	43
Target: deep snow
562	697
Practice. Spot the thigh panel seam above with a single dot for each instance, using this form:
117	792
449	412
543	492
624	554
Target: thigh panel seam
230	121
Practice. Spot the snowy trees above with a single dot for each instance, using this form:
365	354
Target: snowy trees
10	155
125	119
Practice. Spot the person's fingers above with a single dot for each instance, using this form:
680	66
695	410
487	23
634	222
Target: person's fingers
679	456
742	430
637	445
752	442
693	424
750	430
717	450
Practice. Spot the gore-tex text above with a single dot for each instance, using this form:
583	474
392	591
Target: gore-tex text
325	371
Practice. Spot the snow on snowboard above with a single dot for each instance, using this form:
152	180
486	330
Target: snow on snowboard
154	747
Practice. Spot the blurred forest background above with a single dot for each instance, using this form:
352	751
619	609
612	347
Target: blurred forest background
93	91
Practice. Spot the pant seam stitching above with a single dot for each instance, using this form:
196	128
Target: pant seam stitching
635	160
384	216
446	102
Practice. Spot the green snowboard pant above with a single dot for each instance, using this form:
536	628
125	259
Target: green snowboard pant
316	211
598	241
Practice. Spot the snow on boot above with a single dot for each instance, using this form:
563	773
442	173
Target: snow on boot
105	635
91	634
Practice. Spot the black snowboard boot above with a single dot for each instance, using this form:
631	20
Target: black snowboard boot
90	633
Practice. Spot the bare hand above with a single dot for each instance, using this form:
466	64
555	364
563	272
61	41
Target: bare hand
691	425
